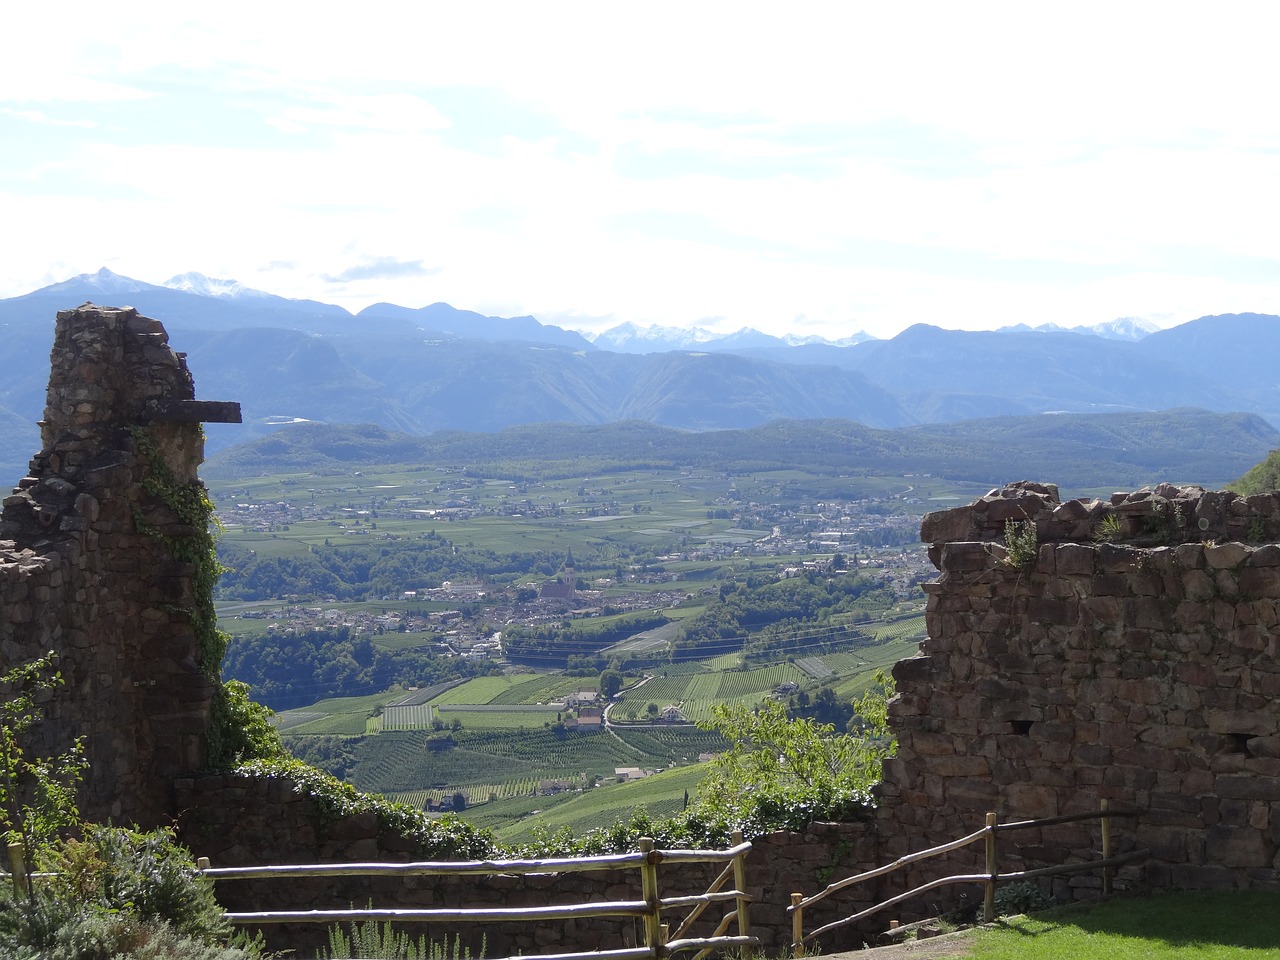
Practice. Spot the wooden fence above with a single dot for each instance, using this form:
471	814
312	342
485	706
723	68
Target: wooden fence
660	940
989	878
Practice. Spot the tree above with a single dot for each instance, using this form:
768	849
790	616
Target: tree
652	710
610	684
796	765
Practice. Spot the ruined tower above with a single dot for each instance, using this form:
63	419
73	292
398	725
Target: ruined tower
105	562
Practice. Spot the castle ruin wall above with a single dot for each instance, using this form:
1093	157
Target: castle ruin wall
1127	653
88	571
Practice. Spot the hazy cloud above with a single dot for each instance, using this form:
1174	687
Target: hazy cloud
382	268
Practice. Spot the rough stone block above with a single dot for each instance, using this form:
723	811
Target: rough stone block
1226	556
1260	581
970	557
945	526
1237	847
1243	722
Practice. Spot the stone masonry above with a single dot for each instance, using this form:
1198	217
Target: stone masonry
87	567
1129	653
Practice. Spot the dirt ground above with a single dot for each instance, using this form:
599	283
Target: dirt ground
958	944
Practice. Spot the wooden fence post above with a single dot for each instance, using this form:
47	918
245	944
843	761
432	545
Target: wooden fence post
18	869
740	881
1106	850
797	925
989	888
649	893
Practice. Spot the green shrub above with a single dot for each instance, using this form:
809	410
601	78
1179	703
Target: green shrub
371	940
1024	896
145	874
79	933
1021	544
446	838
240	729
119	892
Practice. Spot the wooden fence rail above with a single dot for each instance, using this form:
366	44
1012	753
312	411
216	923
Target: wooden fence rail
659	941
988	879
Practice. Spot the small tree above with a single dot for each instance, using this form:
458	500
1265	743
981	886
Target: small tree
610	683
780	764
37	796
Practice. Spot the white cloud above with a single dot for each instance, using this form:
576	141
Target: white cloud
860	165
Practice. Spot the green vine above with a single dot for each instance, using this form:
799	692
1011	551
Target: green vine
446	838
238	728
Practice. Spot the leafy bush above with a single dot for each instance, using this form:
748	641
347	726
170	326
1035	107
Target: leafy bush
783	773
241	729
147	874
77	933
1012	899
119	892
446	838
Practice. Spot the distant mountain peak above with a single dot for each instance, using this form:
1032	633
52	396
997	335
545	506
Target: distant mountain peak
628	337
104	280
203	286
1124	328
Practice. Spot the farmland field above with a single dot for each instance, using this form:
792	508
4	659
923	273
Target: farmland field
660	541
661	794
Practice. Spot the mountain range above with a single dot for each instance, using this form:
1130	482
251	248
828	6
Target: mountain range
419	370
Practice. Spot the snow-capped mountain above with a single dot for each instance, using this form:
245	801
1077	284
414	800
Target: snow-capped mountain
795	340
630	338
1125	328
104	281
203	286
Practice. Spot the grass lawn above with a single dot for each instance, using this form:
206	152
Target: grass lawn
1204	925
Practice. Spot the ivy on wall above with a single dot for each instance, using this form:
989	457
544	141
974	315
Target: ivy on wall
239	729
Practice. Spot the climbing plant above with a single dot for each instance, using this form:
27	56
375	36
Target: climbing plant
239	728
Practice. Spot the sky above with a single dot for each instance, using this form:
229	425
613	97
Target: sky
804	168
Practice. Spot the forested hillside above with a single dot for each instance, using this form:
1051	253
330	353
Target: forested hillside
1074	450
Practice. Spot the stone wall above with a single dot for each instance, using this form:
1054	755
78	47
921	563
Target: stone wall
241	821
1142	670
88	568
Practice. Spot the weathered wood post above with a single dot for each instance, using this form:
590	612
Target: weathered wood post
797	925
649	893
18	870
989	888
740	883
